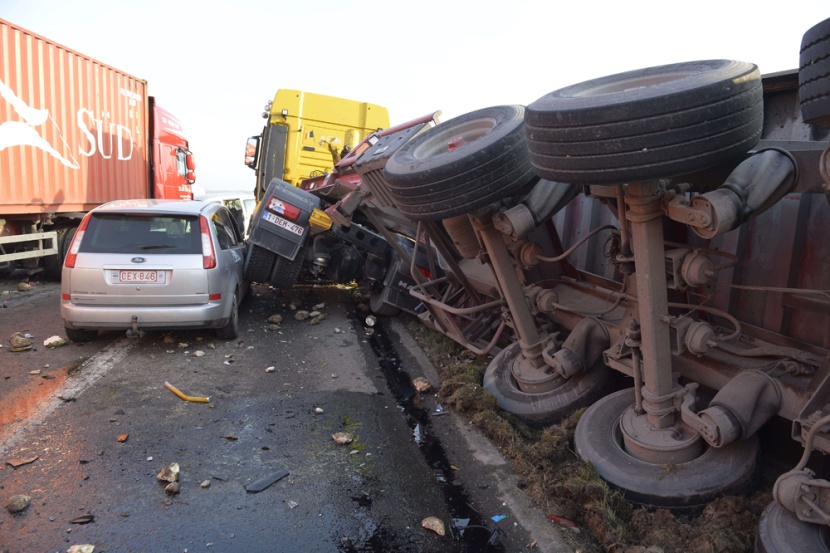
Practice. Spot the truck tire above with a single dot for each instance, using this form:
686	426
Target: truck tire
381	307
686	488
259	264
814	75
286	271
53	264
461	165
646	124
780	531
547	407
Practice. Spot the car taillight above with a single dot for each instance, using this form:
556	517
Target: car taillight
72	253
282	208
208	255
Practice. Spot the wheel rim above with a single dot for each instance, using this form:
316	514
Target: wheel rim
454	138
683	487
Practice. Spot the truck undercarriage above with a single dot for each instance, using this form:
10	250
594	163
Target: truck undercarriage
650	245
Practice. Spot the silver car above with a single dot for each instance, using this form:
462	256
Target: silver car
154	264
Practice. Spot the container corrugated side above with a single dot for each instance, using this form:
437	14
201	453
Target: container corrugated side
73	131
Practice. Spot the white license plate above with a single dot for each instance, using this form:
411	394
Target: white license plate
139	277
287	225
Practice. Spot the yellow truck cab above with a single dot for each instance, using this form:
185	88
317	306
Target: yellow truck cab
306	134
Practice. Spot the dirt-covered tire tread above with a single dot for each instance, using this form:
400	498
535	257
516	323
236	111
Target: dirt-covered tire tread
286	271
814	75
650	123
259	264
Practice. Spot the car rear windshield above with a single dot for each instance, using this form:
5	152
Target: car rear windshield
131	233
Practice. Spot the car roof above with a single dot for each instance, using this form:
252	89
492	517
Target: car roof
186	207
215	196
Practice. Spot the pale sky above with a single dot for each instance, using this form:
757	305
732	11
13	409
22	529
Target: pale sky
215	63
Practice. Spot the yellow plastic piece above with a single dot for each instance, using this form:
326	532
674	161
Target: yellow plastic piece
197	399
319	221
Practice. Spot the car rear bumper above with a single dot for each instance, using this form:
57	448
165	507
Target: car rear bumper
80	317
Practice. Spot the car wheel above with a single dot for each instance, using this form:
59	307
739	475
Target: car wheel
814	75
380	307
53	264
231	330
259	264
681	487
546	407
780	531
80	335
286	271
461	165
645	124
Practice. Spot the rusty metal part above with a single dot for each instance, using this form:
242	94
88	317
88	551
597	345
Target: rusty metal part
462	235
581	350
799	491
673	444
645	217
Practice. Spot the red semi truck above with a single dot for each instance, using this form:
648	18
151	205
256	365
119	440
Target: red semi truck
75	133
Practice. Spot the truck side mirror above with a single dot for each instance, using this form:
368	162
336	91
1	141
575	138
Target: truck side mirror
252	151
191	163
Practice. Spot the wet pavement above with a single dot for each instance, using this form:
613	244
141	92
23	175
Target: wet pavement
275	399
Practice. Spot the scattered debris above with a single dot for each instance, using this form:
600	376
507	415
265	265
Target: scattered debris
170	473
20	461
205	484
371	320
183	344
270	369
18	503
230	437
197	399
566	522
273	327
342	438
20	342
198	353
435	524
55	341
123	438
319	306
24	287
316	320
84	519
301	315
275	319
314	314
318	411
82	548
169	339
498	518
211	346
291	504
173	488
338	331
262	483
421	384
35	372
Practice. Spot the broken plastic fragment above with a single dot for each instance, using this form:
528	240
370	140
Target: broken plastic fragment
85	519
566	522
123	438
498	518
291	504
197	399
262	483
81	548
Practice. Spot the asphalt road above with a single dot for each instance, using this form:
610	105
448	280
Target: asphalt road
276	397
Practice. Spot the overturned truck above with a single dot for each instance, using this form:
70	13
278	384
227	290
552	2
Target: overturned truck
651	245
